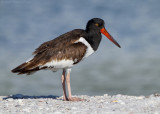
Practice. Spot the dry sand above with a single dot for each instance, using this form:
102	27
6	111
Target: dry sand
106	104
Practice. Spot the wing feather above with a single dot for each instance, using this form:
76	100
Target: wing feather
62	47
62	41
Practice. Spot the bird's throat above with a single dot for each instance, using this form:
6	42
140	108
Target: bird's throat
94	38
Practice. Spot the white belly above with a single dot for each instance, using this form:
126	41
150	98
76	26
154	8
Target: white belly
61	64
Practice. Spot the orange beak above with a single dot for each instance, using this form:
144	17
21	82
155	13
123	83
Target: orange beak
104	31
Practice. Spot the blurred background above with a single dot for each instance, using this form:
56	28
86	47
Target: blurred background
133	69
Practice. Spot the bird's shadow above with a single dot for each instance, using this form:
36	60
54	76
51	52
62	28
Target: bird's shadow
21	96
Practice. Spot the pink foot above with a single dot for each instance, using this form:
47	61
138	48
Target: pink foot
75	99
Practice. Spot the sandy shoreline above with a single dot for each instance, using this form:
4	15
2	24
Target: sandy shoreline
21	104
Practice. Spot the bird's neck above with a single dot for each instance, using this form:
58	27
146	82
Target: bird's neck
94	38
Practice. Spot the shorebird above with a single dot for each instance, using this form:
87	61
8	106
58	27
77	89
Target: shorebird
66	51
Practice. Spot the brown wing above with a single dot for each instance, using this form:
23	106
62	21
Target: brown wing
63	47
61	41
74	52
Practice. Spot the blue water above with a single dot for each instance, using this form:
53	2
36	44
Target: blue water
133	70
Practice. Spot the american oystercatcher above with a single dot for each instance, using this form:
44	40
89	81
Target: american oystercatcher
66	51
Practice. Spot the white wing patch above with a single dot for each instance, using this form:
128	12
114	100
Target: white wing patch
89	48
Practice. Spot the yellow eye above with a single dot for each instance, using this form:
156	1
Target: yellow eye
97	24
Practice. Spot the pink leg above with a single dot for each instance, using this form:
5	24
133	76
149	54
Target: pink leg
63	78
68	85
70	98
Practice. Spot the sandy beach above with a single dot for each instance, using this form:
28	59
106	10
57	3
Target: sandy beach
23	104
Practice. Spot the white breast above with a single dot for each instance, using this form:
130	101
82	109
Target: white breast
89	48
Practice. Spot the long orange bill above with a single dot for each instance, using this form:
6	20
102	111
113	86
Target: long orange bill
104	31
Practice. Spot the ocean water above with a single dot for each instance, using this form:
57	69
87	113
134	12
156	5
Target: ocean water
133	69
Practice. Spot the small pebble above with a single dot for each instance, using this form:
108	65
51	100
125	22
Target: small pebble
57	112
73	108
10	99
106	95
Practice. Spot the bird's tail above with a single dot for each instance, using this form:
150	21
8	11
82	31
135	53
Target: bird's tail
25	68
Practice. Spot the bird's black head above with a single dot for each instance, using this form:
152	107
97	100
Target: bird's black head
95	23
